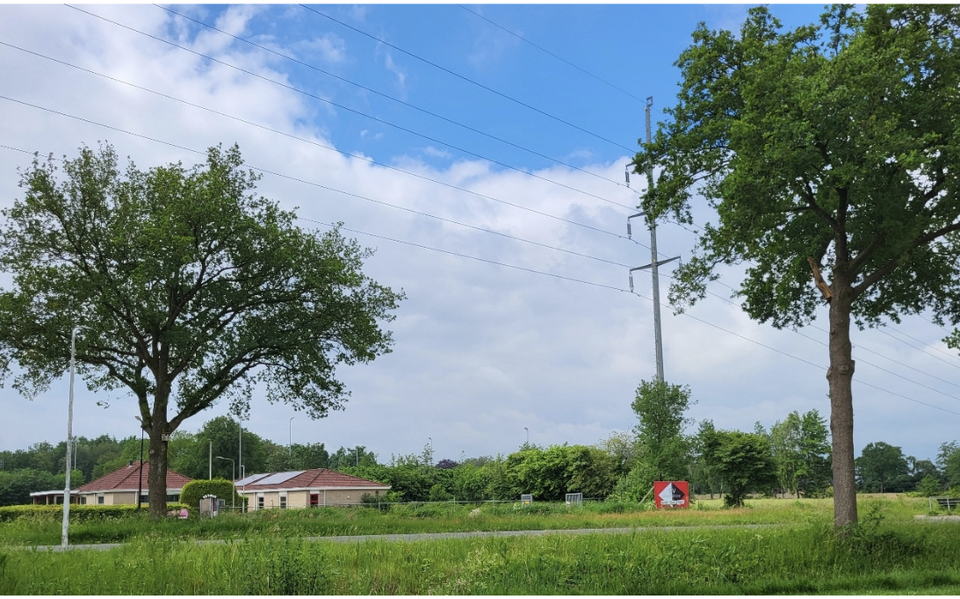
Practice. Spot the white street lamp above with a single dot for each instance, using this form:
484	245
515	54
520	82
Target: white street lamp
233	498
290	445
66	488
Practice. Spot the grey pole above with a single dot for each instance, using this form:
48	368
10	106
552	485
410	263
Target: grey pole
658	340
233	501
290	445
654	263
66	489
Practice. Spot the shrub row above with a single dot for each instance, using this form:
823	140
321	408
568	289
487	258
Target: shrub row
77	512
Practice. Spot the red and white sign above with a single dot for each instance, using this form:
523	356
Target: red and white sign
671	494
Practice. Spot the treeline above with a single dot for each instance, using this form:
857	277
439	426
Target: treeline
791	458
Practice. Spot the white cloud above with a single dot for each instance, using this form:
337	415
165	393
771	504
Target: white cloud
482	350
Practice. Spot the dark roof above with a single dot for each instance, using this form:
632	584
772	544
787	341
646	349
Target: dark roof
127	478
317	478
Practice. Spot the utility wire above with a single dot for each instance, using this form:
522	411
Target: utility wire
533	271
448	220
339	191
313	143
549	53
471	81
389	97
857	347
346	108
688	315
887	333
926	348
469	257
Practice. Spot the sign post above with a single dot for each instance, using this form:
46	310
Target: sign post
671	494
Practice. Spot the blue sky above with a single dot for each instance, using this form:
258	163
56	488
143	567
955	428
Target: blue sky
502	214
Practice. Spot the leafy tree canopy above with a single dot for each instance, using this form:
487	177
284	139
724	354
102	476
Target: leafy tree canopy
663	449
830	154
190	288
744	462
883	468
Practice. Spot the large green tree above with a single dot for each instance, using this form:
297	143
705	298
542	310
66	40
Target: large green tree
663	451
948	459
829	152
189	454
801	452
190	289
549	474
883	468
742	460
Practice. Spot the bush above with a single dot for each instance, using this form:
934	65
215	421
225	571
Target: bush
929	486
78	513
195	490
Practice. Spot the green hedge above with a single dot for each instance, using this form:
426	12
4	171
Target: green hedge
194	491
78	513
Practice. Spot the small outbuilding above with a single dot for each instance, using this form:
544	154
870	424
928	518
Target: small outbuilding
306	488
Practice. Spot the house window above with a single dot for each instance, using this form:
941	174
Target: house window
100	499
83	500
283	501
260	501
314	499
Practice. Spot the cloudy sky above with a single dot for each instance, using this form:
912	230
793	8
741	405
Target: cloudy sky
480	150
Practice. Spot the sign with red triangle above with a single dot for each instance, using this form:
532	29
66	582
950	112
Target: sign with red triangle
671	494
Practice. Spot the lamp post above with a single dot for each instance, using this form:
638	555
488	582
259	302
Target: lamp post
140	473
66	489
290	445
528	435
233	498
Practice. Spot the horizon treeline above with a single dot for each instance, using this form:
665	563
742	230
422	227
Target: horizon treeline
792	457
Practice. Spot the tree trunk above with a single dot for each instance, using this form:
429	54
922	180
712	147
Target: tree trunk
157	479
840	376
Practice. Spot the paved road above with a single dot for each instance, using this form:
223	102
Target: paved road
439	535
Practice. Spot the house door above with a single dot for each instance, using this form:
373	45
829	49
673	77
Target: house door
314	499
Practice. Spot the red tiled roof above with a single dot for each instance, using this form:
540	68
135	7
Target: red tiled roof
317	478
127	478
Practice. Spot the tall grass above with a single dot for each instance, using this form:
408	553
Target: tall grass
797	559
45	528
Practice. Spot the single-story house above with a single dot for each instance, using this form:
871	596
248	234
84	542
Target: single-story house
121	486
305	488
52	497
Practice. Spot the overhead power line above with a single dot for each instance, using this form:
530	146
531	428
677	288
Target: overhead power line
471	81
549	53
308	141
426	247
686	314
389	97
335	190
538	272
469	257
347	108
857	348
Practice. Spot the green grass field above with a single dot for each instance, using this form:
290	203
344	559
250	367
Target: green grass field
890	553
